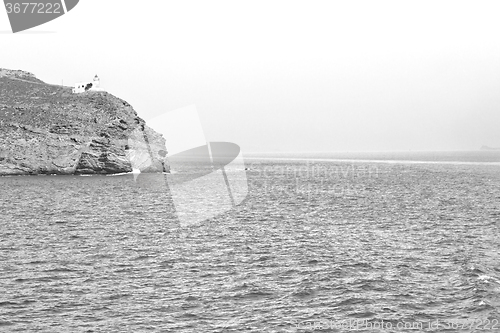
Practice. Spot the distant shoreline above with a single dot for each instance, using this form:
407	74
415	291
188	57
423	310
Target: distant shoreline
387	161
486	148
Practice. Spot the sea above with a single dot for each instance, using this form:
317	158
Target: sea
321	242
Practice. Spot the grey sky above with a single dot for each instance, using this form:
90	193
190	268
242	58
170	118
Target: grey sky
287	76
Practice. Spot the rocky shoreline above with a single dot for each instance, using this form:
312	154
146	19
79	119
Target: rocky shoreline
46	129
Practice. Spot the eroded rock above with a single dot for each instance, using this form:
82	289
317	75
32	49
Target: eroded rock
46	129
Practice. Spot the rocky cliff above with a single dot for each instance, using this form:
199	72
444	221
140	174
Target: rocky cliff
46	129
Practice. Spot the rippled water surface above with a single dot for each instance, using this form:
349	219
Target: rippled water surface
313	241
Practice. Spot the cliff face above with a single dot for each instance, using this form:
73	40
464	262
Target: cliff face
46	129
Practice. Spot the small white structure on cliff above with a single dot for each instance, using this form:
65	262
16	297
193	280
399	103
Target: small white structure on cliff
81	87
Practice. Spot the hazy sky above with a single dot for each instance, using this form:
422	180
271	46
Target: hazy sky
287	75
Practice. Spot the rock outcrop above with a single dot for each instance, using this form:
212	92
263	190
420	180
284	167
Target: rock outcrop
46	129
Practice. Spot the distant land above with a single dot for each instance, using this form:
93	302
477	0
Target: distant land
47	129
488	148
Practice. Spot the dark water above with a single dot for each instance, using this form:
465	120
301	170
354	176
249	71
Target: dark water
313	241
